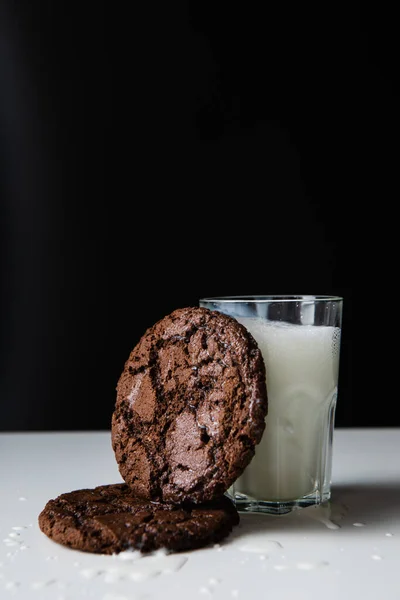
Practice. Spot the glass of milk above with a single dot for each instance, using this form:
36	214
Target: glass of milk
299	337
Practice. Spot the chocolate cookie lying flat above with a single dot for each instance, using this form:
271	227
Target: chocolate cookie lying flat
109	519
191	406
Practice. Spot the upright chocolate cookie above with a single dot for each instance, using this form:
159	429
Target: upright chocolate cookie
109	519
191	406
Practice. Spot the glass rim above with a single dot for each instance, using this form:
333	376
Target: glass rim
266	298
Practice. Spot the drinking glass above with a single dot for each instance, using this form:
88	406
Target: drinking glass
299	338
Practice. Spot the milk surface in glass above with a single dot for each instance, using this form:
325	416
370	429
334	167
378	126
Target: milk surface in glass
302	364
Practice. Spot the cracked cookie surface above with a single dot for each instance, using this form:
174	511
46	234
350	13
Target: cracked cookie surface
109	519
190	408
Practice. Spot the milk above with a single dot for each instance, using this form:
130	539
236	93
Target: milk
293	459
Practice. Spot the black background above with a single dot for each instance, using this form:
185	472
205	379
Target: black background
152	156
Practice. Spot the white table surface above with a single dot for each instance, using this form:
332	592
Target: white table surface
298	556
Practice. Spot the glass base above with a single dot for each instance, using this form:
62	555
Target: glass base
248	504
